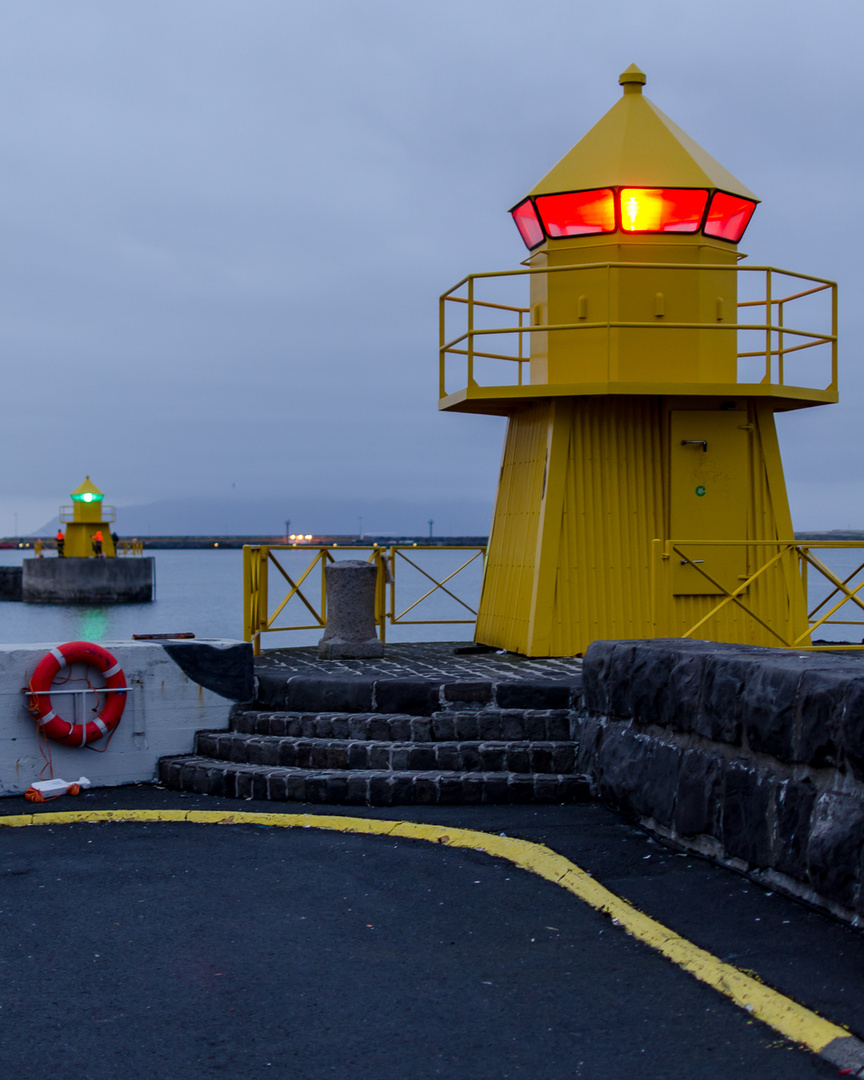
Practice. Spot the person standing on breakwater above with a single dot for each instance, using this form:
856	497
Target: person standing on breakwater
96	540
61	544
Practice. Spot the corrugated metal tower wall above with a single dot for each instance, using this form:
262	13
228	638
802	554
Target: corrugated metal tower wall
587	484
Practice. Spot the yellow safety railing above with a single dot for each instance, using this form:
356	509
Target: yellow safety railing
106	513
396	553
257	561
781	339
789	556
130	547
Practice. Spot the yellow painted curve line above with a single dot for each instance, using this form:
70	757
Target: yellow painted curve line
788	1017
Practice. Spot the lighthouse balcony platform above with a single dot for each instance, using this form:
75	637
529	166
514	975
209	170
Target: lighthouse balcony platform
633	328
98	512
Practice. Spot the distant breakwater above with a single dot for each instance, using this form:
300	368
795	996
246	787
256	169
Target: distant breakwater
216	541
830	535
199	542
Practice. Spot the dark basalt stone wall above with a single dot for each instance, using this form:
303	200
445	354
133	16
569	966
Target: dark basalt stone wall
753	755
226	670
10	582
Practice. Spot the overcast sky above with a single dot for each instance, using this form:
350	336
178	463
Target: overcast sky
224	224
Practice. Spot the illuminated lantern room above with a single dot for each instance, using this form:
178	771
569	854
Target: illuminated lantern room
569	201
715	214
636	188
84	496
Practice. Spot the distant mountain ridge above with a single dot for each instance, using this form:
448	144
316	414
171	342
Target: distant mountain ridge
307	514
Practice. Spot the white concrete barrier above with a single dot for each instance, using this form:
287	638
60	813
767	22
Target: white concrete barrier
176	688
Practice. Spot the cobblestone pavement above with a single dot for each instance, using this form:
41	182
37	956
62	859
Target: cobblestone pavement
423	660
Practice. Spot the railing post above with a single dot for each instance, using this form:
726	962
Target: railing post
323	607
442	356
801	607
262	604
471	381
803	566
381	593
392	583
521	357
834	336
769	309
254	594
609	320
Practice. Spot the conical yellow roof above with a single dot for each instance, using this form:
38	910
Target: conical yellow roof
636	145
87	488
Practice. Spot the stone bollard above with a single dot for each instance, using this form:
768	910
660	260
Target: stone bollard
350	631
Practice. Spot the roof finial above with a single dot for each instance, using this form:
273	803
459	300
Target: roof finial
632	79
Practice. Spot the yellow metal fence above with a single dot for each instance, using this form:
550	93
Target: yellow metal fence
791	558
480	340
308	588
836	596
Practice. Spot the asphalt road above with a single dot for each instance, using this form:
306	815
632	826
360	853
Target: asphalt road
162	950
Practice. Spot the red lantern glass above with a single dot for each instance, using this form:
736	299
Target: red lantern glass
728	216
675	210
529	227
577	213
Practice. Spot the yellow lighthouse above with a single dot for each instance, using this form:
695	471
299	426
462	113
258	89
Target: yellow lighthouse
85	519
641	491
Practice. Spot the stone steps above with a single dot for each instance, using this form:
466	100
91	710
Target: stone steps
367	787
506	724
417	696
521	756
379	734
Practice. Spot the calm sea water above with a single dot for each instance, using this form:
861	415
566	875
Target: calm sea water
201	592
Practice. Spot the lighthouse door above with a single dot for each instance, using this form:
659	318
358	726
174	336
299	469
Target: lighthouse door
709	485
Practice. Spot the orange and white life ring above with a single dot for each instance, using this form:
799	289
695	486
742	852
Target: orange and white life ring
77	652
